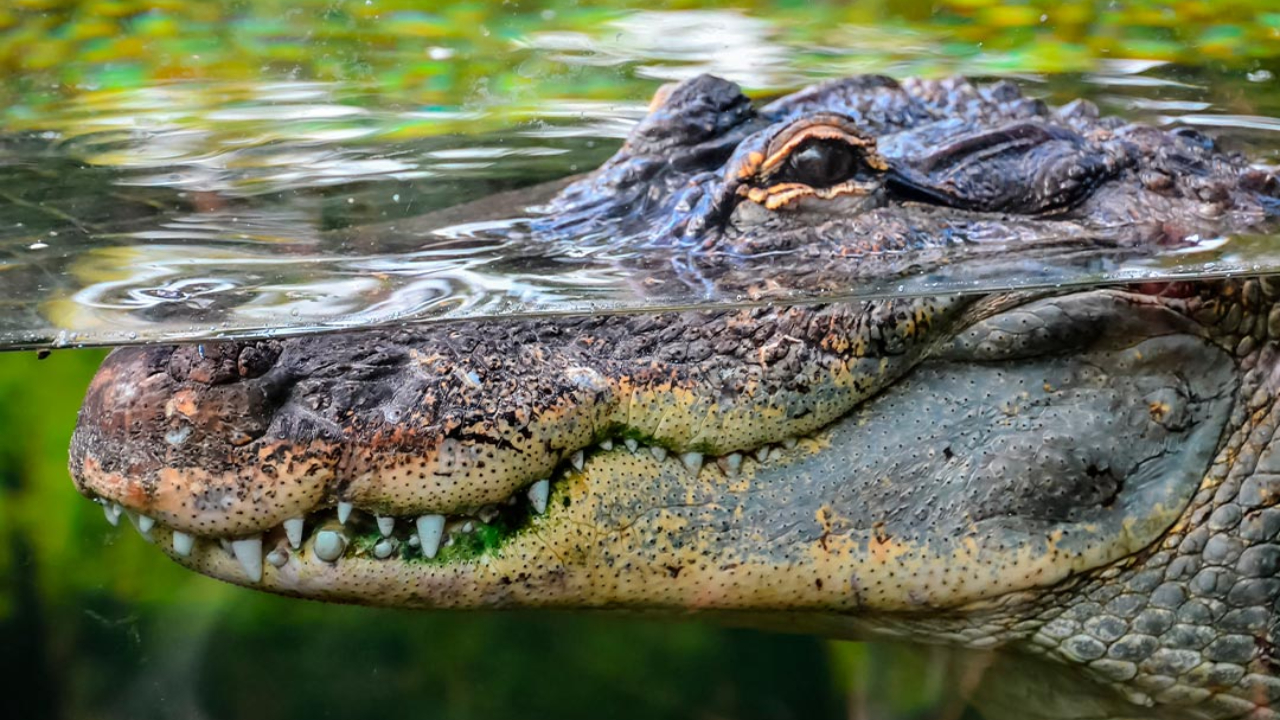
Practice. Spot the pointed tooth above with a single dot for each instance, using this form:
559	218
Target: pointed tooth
731	464
142	524
182	543
293	531
488	514
113	516
430	530
578	460
538	493
762	453
467	527
384	548
249	552
789	443
226	545
329	545
386	525
606	444
632	444
658	452
278	557
692	460
344	511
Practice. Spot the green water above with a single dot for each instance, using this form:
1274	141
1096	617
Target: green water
181	170
152	150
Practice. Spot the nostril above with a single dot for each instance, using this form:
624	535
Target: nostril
207	363
257	358
224	362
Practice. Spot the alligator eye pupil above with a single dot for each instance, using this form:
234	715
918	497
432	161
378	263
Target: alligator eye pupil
823	163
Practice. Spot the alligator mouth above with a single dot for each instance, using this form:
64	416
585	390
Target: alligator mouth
342	533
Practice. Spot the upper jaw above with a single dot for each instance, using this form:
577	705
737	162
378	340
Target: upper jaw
449	420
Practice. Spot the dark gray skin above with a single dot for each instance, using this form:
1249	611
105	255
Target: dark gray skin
1085	476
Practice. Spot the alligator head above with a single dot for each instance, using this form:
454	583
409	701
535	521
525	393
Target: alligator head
1085	474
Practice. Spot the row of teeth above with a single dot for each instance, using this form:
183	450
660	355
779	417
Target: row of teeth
429	530
729	464
428	534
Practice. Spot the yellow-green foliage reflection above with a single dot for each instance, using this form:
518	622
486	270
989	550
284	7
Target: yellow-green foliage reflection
449	54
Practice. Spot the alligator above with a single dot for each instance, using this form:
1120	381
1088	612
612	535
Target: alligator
1085	476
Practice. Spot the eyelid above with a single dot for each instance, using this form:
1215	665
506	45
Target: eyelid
784	195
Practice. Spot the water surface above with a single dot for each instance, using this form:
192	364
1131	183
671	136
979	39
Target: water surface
241	173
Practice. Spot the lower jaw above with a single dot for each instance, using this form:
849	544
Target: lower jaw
502	554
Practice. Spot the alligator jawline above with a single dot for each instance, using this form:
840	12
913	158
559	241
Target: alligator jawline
333	533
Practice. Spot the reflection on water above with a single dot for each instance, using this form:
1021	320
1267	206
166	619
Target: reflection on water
281	200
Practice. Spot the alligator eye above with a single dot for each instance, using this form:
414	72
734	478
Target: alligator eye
821	163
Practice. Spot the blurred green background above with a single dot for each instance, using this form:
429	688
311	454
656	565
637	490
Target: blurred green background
94	623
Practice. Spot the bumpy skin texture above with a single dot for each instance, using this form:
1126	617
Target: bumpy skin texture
1085	475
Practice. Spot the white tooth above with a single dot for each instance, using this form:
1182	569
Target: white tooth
142	524
789	443
117	509
293	531
430	530
386	525
413	541
692	460
732	463
659	452
329	545
344	512
278	557
226	545
384	548
113	517
577	461
488	514
606	444
631	444
249	552
538	493
762	453
468	527
182	543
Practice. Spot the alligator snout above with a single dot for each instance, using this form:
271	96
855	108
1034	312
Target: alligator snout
253	436
183	435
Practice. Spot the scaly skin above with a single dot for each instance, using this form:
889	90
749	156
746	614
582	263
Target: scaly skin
1083	474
